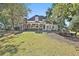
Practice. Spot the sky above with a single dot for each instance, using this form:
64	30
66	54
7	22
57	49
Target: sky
38	9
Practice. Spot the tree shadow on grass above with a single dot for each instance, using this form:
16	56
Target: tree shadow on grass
11	49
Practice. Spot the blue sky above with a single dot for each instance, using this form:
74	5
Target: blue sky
38	8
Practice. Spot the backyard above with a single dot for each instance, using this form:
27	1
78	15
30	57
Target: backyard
31	43
47	29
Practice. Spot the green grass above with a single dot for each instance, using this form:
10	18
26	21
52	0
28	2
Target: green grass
30	43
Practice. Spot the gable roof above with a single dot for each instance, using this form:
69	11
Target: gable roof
40	18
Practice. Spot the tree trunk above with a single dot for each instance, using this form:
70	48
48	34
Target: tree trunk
12	19
12	24
76	34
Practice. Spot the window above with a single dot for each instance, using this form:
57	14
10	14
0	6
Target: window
36	19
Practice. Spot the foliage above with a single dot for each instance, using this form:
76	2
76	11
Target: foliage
61	12
74	24
12	14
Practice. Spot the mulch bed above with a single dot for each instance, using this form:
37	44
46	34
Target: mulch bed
70	36
73	39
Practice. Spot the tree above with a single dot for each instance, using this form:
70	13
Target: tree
56	14
4	18
74	24
13	14
62	11
16	14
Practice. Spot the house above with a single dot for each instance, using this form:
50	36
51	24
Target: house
39	23
35	22
1	26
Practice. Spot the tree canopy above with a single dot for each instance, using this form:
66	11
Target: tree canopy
12	14
61	12
74	24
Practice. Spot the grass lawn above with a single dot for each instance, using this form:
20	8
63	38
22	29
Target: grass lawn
30	43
